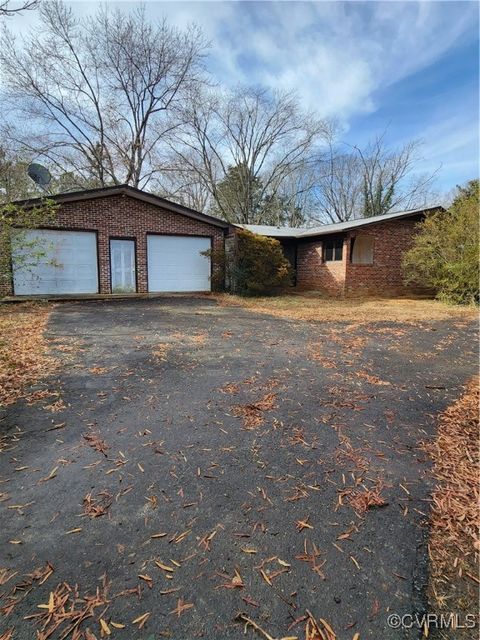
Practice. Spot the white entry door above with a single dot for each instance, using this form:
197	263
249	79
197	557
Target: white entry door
122	266
178	263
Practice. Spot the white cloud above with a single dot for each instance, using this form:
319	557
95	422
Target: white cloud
334	55
337	56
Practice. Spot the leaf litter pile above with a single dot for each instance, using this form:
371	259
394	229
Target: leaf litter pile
454	544
24	357
244	506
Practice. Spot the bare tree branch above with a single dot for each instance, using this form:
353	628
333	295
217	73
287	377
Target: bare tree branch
371	181
7	10
268	135
101	92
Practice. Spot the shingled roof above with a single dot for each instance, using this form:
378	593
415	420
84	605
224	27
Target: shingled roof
337	227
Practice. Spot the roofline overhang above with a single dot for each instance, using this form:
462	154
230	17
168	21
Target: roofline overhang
370	221
329	229
132	192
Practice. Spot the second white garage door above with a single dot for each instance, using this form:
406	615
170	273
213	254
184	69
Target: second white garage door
176	263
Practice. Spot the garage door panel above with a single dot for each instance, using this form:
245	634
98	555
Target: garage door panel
68	263
176	263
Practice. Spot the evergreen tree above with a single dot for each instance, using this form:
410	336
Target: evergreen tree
241	198
444	255
377	198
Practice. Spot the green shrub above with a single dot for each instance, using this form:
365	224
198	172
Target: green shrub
257	265
218	258
445	253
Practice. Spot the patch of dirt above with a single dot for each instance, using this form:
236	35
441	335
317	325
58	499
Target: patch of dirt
454	543
24	358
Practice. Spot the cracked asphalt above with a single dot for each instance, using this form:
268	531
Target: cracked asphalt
233	448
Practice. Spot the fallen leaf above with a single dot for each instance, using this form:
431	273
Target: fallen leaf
141	620
283	563
181	607
265	577
105	627
117	625
303	524
165	567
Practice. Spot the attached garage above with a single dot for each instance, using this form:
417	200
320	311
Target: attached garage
178	263
63	262
117	240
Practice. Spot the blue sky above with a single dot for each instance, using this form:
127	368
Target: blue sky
411	67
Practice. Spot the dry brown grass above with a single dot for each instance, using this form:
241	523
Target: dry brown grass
454	545
314	307
23	349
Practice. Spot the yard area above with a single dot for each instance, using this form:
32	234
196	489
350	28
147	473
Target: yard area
200	467
326	309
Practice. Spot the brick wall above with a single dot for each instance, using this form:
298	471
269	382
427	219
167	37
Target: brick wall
385	276
123	216
316	275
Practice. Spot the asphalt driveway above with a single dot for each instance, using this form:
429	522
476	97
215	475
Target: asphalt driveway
202	462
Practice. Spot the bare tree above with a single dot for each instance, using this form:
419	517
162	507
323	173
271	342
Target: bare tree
296	197
268	138
390	178
355	183
338	183
178	182
99	94
340	192
7	10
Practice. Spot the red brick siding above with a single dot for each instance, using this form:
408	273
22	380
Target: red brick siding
123	216
385	276
316	275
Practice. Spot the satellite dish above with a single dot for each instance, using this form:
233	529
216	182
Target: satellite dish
39	174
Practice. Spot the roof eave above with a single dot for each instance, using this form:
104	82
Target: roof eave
369	221
127	190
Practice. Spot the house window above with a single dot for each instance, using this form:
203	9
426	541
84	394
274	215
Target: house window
333	250
362	250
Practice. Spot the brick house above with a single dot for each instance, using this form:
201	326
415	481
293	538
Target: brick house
122	240
119	240
350	258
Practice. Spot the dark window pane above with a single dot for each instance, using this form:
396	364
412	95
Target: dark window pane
333	250
338	250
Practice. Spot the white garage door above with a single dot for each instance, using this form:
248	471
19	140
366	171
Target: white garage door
55	262
176	263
